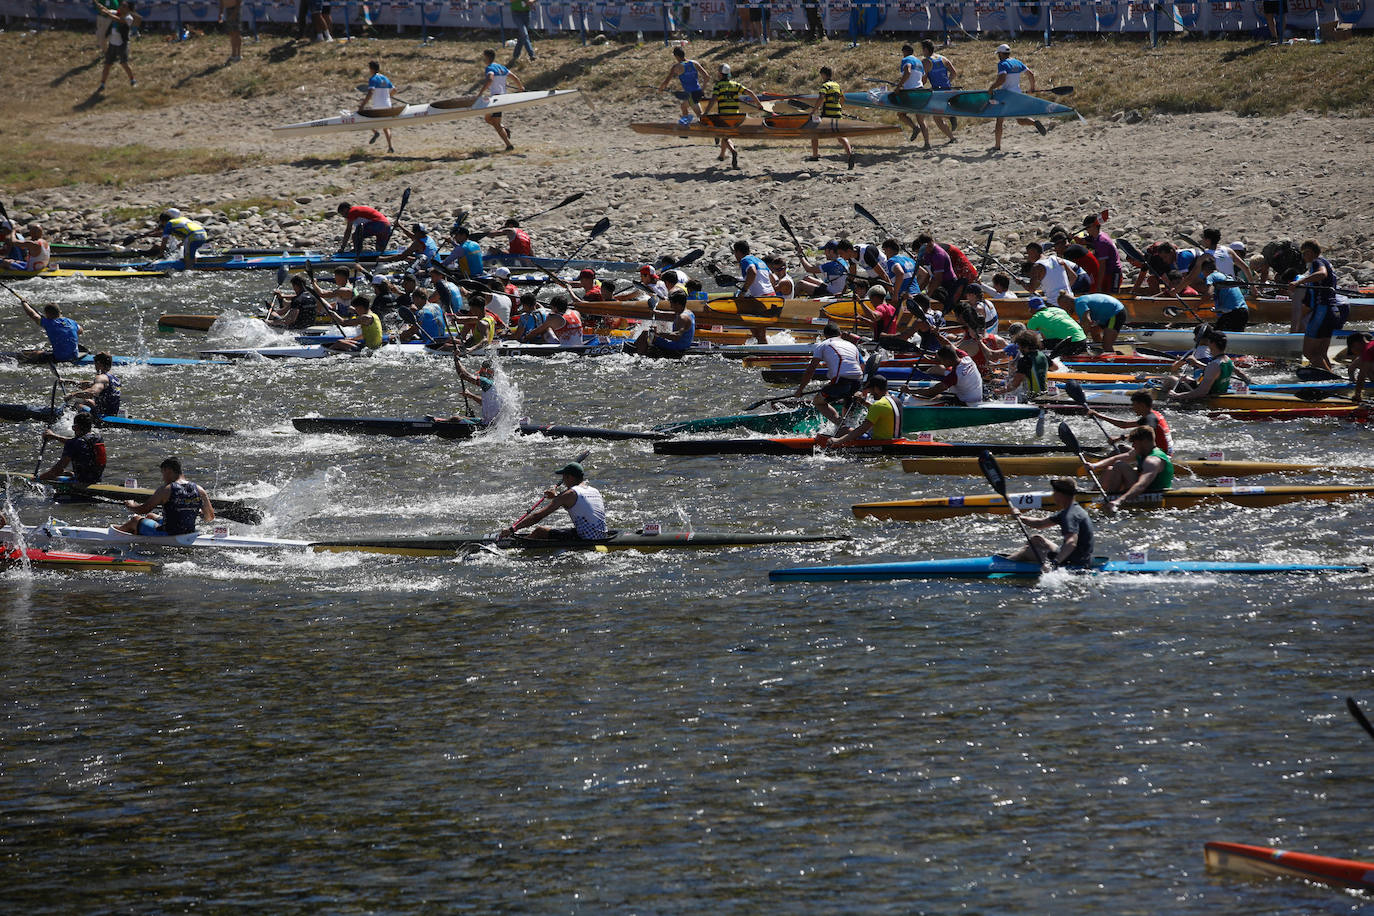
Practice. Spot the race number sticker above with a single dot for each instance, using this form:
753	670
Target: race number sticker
1027	500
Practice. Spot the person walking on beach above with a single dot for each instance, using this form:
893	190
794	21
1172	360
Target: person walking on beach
378	98
494	79
1009	73
124	19
520	12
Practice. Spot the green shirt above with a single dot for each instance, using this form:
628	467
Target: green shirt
519	6
1165	478
1054	323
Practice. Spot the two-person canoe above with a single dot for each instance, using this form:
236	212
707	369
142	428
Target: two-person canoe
456	429
1267	861
999	567
405	115
863	448
920	510
617	540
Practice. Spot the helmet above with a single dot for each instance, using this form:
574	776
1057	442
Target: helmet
170	213
724	69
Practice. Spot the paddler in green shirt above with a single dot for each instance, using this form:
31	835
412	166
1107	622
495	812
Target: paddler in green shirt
1145	468
1063	335
1215	377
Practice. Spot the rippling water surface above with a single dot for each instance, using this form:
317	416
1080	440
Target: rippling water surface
653	734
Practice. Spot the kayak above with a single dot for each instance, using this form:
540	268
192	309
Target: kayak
57	531
1151	310
1355	413
273	261
67	490
1069	466
319	351
62	559
18	413
998	567
863	448
918	418
754	314
797	420
86	273
1270	862
769	127
453	429
1250	343
916	510
1313	391
405	115
87	359
998	103
617	540
1237	401
525	260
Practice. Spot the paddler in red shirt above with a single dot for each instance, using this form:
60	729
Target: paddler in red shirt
1143	405
363	222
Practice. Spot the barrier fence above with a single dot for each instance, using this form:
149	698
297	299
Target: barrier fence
856	18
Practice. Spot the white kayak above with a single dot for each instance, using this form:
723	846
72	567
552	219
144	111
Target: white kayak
407	115
56	531
1247	343
409	348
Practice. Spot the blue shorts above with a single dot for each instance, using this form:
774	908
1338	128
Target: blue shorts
1326	320
841	388
374	228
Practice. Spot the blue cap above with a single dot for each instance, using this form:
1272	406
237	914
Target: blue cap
1035	303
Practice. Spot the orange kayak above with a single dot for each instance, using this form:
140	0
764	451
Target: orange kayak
1267	861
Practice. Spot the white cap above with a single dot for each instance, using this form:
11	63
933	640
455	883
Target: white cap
171	213
724	69
1004	49
502	272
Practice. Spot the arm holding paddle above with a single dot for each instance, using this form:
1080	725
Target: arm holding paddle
557	500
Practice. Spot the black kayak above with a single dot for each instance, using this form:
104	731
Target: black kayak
453	429
618	540
21	413
861	448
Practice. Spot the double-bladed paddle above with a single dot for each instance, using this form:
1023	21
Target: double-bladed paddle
988	465
598	230
1068	438
578	460
1076	394
571	198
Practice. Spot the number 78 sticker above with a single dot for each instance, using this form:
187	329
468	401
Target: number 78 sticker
1025	501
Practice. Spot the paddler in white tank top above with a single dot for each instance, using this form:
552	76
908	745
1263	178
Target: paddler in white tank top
583	503
564	322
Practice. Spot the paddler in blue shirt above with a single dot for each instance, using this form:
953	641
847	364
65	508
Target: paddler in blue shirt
466	255
724	101
940	76
181	500
826	114
910	81
101	395
378	97
1009	73
494	79
422	248
901	270
83	451
63	334
691	75
675	343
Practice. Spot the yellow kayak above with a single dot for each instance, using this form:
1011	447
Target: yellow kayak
1069	466
55	272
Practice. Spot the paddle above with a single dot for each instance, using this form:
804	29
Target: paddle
1317	374
597	231
571	198
1076	394
578	460
792	235
1355	711
988	465
462	380
689	258
52	411
1054	90
785	397
400	211
1068	438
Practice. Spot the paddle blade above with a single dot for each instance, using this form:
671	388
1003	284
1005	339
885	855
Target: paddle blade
863	211
571	198
1316	374
689	258
1130	250
787	227
1067	437
988	465
1075	391
1355	711
1040	423
405	198
282	274
600	228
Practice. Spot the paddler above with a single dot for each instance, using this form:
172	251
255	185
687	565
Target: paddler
940	74
724	102
676	342
1146	468
1031	369
181	500
755	280
171	224
12	255
517	240
37	250
494	79
881	313
1062	335
830	277
63	335
583	503
829	108
378	98
363	317
83	451
943	282
1050	273
588	287
100	396
778	277
1103	316
1075	551
1326	312
1108	279
1009	74
466	256
1143	406
446	293
844	367
691	75
1360	351
962	376
338	299
564	322
1215	377
883	420
361	223
901	270
533	316
422	248
491	399
296	313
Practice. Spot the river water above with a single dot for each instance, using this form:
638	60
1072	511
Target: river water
664	733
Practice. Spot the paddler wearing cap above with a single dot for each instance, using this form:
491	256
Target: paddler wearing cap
1009	73
656	290
724	101
1075	551
583	502
588	289
171	224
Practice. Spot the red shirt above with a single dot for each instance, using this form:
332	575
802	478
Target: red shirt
520	242
1367	355
884	319
368	213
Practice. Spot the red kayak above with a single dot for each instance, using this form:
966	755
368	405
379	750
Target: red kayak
1265	860
62	559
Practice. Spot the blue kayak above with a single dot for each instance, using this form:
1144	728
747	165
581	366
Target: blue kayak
270	262
524	260
997	567
184	429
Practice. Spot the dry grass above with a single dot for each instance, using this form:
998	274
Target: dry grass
27	165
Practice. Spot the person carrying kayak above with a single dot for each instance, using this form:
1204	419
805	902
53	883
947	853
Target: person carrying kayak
884	417
494	79
1146	468
1215	377
1062	335
691	75
1102	315
829	108
101	395
844	367
181	500
724	101
962	376
583	503
675	343
298	312
377	97
1075	550
362	223
83	451
940	74
1009	73
171	224
1143	405
909	82
63	335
